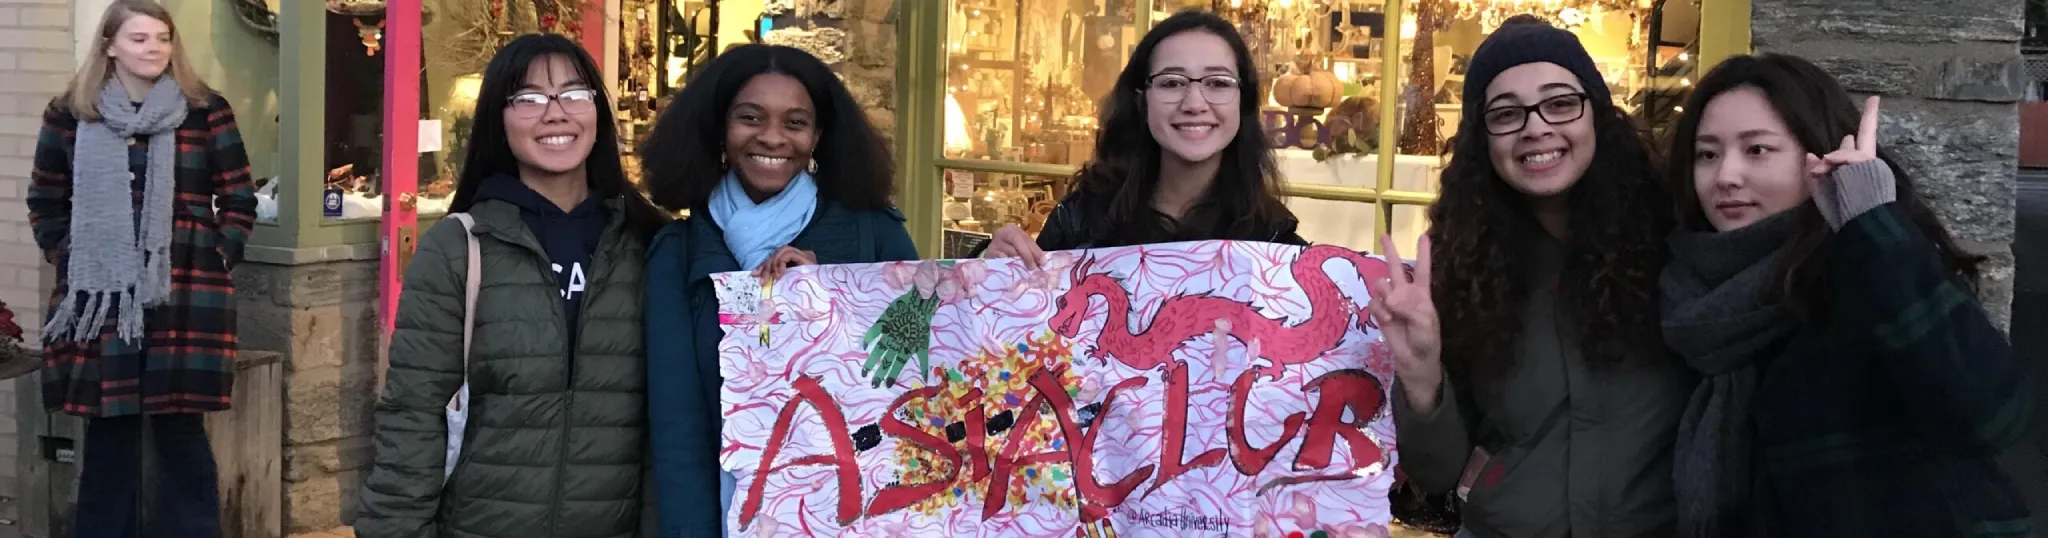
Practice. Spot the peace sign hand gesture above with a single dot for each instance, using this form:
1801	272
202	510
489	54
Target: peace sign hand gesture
1407	319
1856	148
1859	188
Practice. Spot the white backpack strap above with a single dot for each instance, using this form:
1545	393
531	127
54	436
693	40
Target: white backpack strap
470	284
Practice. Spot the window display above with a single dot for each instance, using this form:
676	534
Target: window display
353	185
659	43
1325	65
1023	79
1643	50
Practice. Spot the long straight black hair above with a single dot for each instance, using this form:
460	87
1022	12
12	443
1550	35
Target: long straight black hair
491	150
1121	180
681	159
1819	113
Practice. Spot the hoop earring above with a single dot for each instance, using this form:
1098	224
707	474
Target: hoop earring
721	160
813	168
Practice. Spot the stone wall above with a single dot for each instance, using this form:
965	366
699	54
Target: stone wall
857	37
322	318
870	67
1950	73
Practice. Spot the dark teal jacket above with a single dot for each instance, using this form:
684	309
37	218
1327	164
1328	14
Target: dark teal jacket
682	345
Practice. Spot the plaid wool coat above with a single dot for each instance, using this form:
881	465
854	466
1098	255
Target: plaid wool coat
1888	419
185	361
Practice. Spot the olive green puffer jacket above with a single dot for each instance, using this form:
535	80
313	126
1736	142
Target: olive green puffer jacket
555	441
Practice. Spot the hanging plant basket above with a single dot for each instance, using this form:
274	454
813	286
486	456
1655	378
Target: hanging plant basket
371	8
258	15
356	8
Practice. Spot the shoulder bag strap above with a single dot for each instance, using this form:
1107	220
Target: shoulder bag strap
470	283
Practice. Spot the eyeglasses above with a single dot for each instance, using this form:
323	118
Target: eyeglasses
534	104
1511	119
1170	88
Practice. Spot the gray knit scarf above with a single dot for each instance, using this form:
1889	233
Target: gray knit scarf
111	269
1723	311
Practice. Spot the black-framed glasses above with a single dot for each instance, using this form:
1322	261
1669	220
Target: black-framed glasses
1170	88
533	104
1511	119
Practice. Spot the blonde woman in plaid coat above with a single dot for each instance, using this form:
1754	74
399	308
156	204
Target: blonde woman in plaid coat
141	196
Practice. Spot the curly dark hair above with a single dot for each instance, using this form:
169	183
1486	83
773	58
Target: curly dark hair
1819	113
680	161
1119	184
1481	226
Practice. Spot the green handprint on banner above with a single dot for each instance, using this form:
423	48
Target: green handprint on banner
904	330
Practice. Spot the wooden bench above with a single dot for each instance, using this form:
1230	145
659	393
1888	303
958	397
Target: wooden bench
248	447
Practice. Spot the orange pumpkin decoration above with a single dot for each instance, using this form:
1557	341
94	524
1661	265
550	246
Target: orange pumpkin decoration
1307	88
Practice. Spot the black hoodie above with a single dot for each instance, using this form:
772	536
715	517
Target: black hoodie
569	237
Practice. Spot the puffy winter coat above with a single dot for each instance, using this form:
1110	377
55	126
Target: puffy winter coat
555	443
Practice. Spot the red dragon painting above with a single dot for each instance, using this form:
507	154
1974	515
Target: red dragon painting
1184	317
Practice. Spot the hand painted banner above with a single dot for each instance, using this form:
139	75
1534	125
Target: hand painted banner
1194	389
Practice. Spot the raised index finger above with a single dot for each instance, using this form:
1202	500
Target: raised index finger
1866	133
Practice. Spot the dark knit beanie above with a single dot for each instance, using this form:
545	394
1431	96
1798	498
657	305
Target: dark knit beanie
1524	41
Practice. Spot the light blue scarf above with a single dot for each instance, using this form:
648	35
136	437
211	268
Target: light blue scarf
753	231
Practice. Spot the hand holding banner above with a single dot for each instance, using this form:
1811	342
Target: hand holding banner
1203	389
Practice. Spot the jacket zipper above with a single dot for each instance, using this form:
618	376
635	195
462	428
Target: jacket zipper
569	378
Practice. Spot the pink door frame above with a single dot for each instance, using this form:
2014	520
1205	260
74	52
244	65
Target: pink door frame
401	146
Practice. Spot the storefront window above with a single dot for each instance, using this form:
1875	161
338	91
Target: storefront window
663	43
659	44
1022	82
979	203
1023	76
1324	63
1644	54
1674	65
1018	92
458	42
353	187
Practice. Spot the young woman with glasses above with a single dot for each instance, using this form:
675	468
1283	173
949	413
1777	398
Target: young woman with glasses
556	436
1180	156
1529	327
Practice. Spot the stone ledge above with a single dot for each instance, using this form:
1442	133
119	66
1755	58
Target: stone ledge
302	256
1954	78
338	532
1782	23
313	284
